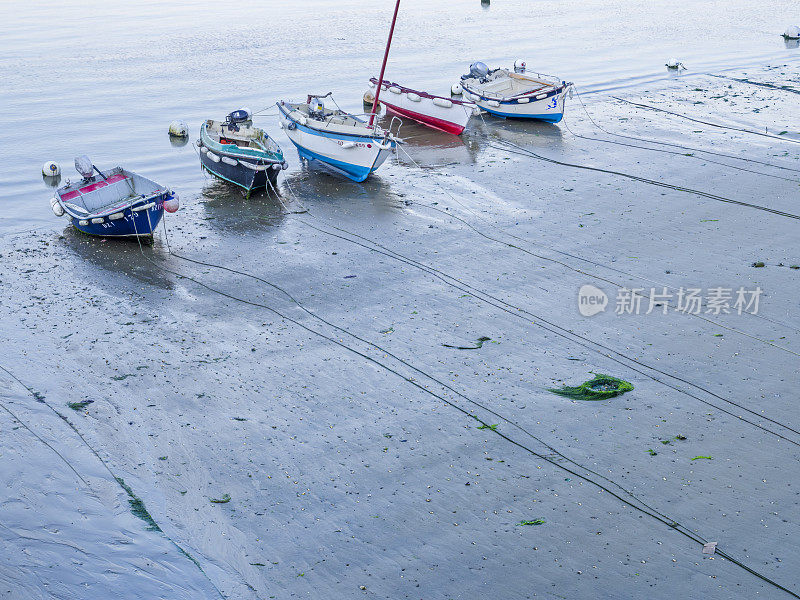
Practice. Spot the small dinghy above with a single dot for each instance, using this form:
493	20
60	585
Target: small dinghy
237	152
516	94
113	203
336	138
446	114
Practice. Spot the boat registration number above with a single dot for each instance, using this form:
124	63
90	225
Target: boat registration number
354	144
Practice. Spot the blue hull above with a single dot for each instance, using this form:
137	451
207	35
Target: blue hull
132	224
354	172
548	118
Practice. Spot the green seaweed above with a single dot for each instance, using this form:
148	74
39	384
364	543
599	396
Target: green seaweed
79	405
137	507
492	427
601	387
703	457
651	452
224	500
534	522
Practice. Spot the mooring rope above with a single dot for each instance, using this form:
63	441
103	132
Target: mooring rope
682	147
515	149
641	507
39	398
694	120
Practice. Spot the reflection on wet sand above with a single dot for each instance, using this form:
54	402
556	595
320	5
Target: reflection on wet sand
433	148
227	210
114	257
333	193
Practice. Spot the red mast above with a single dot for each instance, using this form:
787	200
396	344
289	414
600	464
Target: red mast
383	66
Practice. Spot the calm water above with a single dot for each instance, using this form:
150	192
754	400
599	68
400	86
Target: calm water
106	78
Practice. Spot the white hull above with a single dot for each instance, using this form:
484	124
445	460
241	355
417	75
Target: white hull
355	155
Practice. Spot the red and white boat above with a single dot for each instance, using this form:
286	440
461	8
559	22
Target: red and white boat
445	114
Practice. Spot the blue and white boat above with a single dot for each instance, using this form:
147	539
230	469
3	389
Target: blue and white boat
237	152
516	94
113	203
341	141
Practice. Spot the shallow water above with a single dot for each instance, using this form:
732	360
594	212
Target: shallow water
107	78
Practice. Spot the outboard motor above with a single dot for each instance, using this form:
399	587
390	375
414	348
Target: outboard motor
316	107
84	166
519	66
239	116
478	70
233	120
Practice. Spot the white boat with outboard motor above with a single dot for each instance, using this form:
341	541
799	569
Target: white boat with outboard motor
516	93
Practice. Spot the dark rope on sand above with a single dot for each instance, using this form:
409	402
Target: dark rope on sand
682	147
688	118
515	149
641	507
39	398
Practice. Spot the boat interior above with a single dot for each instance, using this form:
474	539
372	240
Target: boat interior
506	85
334	119
99	193
242	135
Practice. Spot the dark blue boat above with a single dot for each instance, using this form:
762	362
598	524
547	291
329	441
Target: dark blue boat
113	203
237	152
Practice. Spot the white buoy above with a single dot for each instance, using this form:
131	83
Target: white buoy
178	129
51	169
519	66
456	89
792	32
674	63
173	204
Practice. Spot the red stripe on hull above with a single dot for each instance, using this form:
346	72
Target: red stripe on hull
440	124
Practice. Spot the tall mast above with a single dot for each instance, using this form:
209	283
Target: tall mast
383	66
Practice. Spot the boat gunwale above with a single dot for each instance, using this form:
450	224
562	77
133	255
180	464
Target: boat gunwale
406	90
375	138
258	155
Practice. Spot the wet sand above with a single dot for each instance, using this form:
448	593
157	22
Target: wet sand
348	474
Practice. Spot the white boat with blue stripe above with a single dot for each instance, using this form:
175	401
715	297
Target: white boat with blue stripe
516	94
339	140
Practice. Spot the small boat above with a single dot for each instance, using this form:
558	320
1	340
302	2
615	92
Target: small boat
446	114
516	94
341	141
113	203
237	152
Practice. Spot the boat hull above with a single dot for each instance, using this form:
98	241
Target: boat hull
429	120
549	109
438	112
138	220
247	177
354	156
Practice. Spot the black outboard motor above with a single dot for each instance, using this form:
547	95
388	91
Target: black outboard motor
238	116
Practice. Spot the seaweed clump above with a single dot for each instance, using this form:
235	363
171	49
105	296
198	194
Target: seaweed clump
600	387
